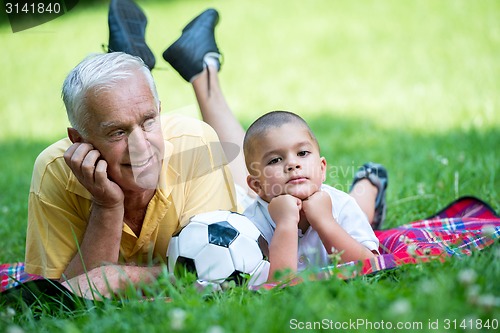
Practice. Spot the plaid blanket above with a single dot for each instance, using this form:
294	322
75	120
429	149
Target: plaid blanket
468	224
12	275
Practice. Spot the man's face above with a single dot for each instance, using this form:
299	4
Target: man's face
287	161
124	125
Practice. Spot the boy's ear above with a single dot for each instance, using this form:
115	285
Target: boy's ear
254	183
74	135
323	169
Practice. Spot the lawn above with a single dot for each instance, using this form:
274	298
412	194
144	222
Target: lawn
411	84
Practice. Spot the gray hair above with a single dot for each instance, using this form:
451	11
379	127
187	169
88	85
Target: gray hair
99	71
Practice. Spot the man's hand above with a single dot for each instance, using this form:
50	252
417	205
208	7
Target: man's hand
107	281
85	163
285	210
318	209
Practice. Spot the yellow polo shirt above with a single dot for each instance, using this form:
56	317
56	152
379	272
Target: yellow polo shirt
195	178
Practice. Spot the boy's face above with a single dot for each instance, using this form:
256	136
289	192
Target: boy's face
286	160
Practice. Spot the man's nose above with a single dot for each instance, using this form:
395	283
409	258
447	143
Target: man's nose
137	141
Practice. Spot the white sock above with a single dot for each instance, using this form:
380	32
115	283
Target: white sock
211	59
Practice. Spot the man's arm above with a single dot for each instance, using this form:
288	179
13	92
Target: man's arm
101	241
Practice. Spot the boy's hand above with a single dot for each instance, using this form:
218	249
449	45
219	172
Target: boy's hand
317	208
285	210
85	163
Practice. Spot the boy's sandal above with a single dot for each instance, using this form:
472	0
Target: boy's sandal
377	175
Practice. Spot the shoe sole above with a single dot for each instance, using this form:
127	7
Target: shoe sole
188	67
133	22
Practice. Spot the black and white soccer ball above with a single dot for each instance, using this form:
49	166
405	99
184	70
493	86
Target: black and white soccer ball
219	246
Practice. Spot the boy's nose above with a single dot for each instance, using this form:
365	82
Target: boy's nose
293	166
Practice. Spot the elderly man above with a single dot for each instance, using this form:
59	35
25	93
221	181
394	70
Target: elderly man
126	178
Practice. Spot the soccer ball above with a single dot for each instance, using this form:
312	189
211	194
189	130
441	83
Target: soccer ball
219	246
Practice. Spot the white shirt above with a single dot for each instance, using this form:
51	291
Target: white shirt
311	252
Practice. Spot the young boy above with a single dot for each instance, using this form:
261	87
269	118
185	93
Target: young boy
335	219
287	172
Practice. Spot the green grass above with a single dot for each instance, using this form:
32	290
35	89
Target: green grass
412	84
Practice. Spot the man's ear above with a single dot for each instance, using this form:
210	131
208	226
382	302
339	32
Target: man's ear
74	135
254	183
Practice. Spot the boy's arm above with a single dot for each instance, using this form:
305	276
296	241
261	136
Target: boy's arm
284	211
318	211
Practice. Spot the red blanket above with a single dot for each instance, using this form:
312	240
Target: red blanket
466	225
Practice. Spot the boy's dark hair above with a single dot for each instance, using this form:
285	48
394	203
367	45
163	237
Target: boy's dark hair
269	121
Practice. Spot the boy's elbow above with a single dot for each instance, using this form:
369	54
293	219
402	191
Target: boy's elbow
368	254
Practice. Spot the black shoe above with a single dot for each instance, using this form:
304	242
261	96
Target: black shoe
186	54
377	175
127	26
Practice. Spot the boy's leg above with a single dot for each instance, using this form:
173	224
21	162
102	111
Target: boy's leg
365	194
368	189
195	56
